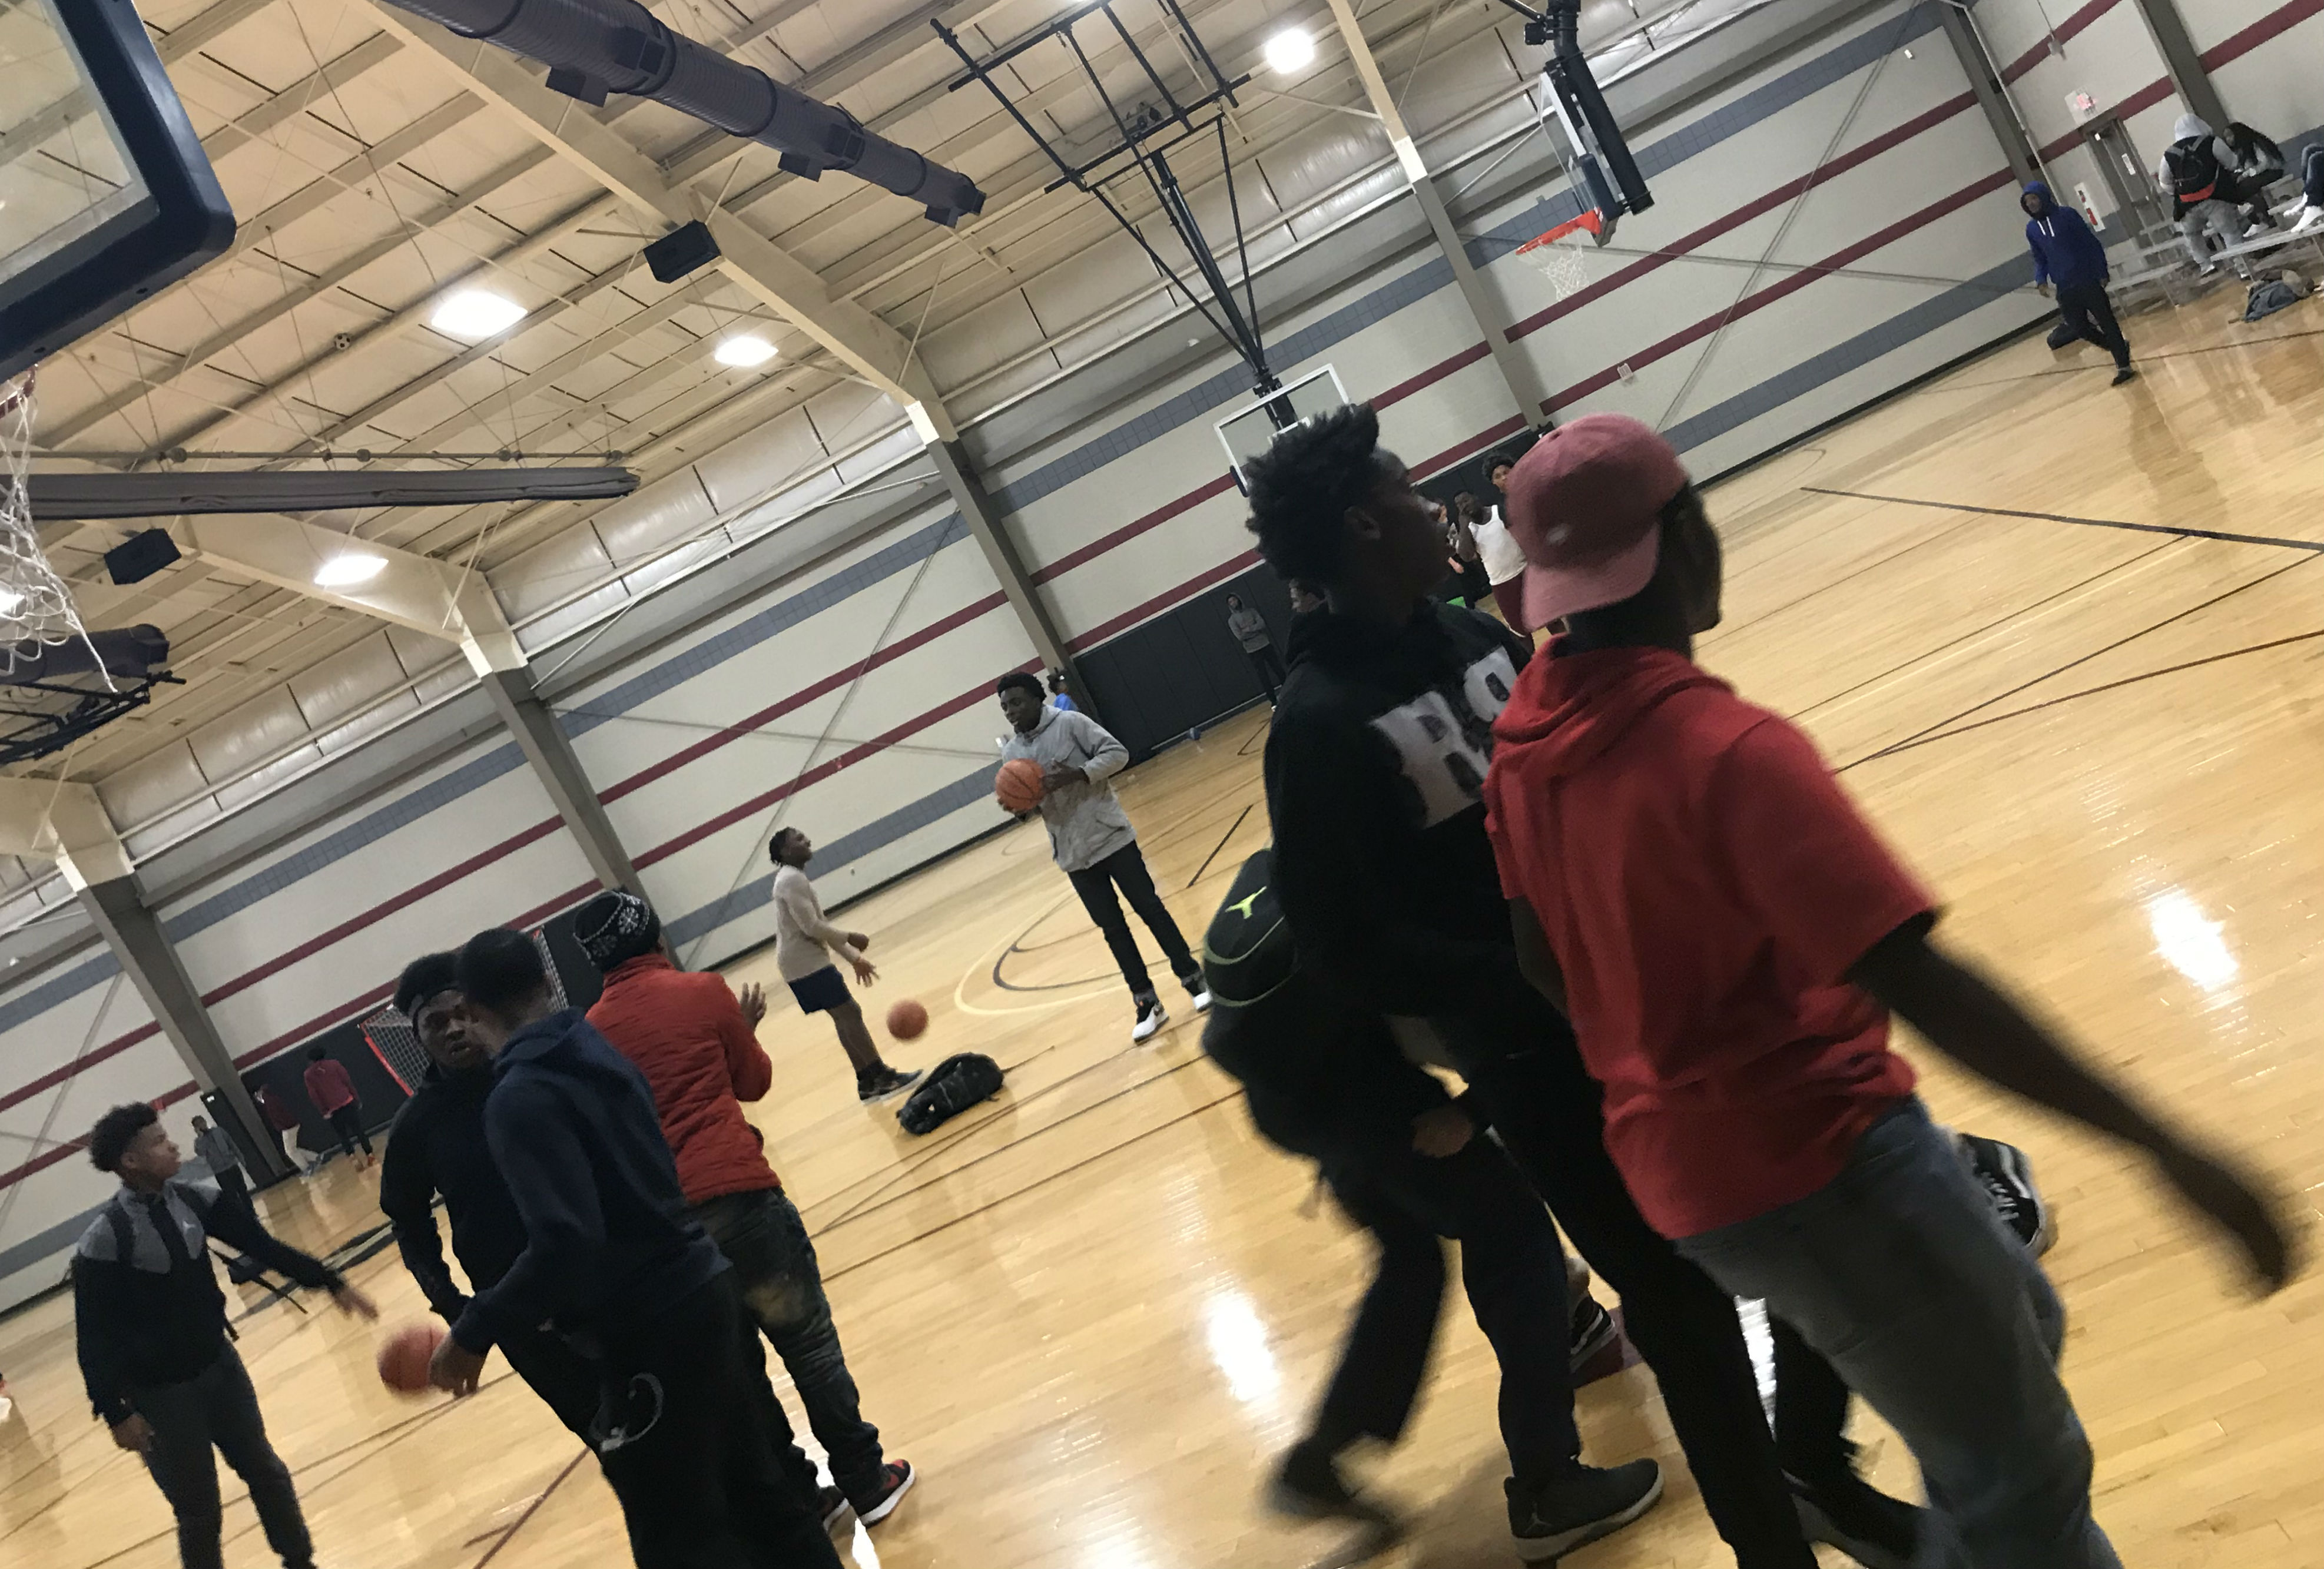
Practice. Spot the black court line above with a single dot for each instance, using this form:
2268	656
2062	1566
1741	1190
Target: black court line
1938	731
530	1510
1906	501
1222	844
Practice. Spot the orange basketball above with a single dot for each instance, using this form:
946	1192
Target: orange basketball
403	1357
905	1019
1018	785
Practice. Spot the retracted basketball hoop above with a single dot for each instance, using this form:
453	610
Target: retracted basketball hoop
1562	255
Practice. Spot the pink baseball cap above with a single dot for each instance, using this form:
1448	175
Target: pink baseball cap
1585	506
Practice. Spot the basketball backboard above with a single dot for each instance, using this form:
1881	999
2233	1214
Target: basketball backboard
105	194
1249	430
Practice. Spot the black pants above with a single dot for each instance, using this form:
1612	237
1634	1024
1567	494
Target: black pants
1268	666
1126	869
568	1383
764	1237
692	1440
2311	173
1513	1270
348	1123
2090	314
219	1409
1520	1055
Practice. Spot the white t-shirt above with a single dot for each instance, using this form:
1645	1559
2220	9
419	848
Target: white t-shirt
1502	558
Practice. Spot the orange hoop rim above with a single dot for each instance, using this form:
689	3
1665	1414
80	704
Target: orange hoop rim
1590	219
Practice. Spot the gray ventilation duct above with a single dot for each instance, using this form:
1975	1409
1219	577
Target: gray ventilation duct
596	47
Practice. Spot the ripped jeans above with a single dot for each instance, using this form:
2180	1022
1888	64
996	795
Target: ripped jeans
764	1237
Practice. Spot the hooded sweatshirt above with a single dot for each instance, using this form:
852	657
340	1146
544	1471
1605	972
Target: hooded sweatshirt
2065	252
1705	888
1375	771
438	1146
608	1244
2197	167
1086	823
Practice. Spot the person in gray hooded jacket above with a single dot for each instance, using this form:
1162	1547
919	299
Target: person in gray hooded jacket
1092	838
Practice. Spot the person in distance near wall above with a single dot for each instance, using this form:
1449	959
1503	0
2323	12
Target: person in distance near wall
701	1057
333	1091
155	1352
689	1433
1093	841
1730	936
806	943
2067	254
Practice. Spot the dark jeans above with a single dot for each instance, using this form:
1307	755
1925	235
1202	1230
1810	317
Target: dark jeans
2090	314
693	1442
348	1124
568	1382
1513	1270
764	1237
1520	1055
219	1410
1268	666
1900	1269
2311	173
1126	869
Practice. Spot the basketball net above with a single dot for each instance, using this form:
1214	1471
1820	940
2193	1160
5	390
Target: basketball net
1562	255
36	609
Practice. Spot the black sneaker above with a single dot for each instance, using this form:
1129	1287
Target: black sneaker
833	1506
1308	1486
1586	1504
2125	374
2007	1178
896	1479
1847	1512
884	1083
1593	1330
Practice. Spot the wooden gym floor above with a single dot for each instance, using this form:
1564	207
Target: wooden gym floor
2067	642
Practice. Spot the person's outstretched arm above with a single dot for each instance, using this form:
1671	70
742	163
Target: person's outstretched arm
1969	1019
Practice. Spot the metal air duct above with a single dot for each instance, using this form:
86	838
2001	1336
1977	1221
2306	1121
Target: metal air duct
596	47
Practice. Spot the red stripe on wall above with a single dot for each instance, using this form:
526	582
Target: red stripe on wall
1164	601
1787	287
804	696
2138	102
2065	29
1743	214
88	1059
1432	376
1131	530
2282	20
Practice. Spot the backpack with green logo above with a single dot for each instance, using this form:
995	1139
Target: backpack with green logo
1248	952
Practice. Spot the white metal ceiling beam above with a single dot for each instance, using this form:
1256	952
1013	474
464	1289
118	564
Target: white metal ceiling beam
292	101
50	820
868	345
1517	375
418	593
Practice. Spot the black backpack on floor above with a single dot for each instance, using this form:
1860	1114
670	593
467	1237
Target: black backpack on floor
952	1086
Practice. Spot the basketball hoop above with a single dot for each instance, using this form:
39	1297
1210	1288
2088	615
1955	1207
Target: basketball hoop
1561	256
36	609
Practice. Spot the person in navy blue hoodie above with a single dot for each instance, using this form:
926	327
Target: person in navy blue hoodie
688	1430
2067	254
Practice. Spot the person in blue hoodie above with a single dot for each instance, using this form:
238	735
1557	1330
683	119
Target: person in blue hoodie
689	1431
2065	253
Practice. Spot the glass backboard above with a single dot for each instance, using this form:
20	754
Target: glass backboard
1249	430
105	194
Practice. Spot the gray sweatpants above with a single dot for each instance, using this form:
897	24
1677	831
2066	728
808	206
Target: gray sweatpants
2224	219
217	1408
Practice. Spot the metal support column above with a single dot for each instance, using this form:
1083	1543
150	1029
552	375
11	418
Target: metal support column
1524	387
1992	93
554	764
2180	60
991	529
117	907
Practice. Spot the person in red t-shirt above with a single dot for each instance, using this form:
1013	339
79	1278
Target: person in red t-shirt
1729	938
334	1094
698	1049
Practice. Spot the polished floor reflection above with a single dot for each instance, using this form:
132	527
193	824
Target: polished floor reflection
2066	640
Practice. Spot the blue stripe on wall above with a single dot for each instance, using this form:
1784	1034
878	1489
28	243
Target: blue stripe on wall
876	834
57	990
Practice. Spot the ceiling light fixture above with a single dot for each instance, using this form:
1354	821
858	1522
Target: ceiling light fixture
1291	50
347	568
744	352
474	314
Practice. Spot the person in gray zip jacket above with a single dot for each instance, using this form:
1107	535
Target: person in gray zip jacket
1092	838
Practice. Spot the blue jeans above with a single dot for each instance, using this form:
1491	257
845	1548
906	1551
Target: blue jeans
1900	1273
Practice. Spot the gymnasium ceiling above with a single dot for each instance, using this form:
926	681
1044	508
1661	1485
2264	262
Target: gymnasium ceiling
372	179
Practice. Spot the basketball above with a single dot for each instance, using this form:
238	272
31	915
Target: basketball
907	1019
1018	785
403	1357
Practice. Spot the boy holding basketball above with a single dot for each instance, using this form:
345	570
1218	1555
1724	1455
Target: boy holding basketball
805	942
1091	838
696	1047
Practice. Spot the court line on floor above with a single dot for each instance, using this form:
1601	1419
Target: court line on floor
2168	353
531	1508
1222	844
1943	727
2184	533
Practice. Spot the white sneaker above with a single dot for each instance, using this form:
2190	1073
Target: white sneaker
1150	1017
1200	991
2307	218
